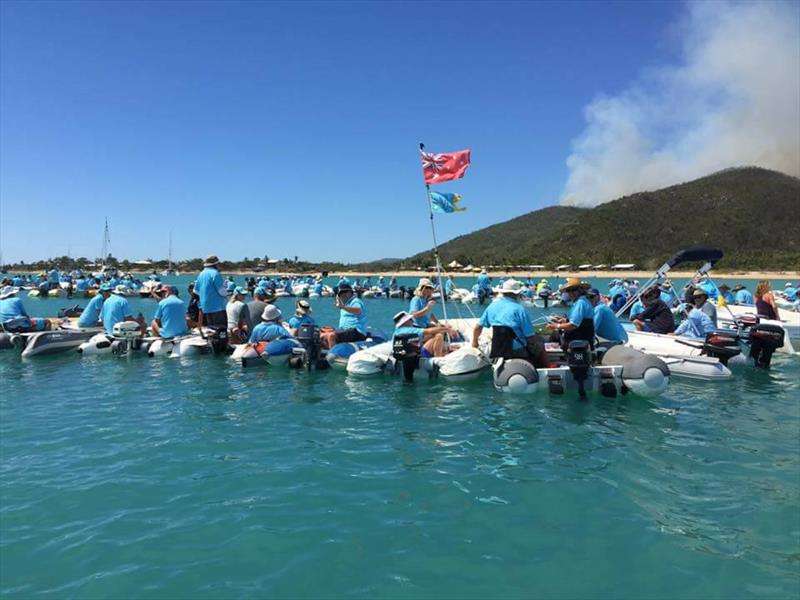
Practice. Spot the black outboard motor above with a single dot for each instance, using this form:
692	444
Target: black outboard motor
405	349
722	344
764	340
579	361
308	356
219	341
546	297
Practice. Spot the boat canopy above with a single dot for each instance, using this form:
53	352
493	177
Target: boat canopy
710	255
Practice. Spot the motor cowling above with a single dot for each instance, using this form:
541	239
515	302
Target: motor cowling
219	341
406	350
764	340
579	361
722	344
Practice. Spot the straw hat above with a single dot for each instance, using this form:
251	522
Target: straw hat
303	307
211	261
402	318
574	283
425	282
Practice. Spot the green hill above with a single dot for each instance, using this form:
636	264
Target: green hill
750	213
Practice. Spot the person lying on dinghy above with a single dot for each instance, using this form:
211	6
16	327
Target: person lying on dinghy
579	324
696	323
657	317
14	317
170	318
508	313
353	324
431	340
606	323
302	314
270	327
90	317
421	307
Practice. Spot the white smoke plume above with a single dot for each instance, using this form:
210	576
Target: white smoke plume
734	101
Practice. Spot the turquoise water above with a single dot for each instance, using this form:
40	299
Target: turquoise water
194	478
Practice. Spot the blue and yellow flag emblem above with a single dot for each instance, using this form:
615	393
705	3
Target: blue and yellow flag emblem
445	203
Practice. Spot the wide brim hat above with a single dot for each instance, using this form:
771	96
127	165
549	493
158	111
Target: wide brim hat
106	287
510	286
724	286
344	287
699	292
239	291
737	287
211	261
425	282
303	306
271	313
402	318
574	283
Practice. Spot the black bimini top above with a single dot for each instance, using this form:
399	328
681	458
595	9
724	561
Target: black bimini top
710	255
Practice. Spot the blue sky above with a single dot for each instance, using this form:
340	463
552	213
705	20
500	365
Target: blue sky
291	129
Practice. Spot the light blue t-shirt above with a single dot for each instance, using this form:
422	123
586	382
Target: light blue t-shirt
418	303
506	312
581	310
417	331
114	311
171	313
637	309
744	297
350	321
211	289
791	293
52	276
607	325
266	332
710	289
296	320
484	281
11	308
91	314
616	290
696	325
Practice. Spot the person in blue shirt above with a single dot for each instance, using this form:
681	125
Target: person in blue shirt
431	340
14	317
52	278
270	327
449	286
725	293
579	324
421	307
17	281
636	309
170	318
353	326
115	310
616	288
743	295
790	292
393	284
302	314
696	323
90	317
213	295
506	311
606	323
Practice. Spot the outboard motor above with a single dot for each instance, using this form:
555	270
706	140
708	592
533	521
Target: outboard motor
722	344
219	341
764	340
546	297
309	355
127	336
579	361
405	349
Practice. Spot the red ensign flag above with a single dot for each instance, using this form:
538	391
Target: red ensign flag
439	168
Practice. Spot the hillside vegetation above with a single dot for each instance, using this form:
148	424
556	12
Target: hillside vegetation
752	214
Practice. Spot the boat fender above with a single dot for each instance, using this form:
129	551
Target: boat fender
6	341
515	375
643	374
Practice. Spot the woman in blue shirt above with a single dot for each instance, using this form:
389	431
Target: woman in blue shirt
421	308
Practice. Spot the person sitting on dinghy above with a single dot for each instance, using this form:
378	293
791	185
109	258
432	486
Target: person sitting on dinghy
237	316
431	340
606	323
696	323
261	297
579	324
302	314
508	312
193	310
352	318
115	310
90	317
421	308
213	295
700	300
765	301
725	296
170	318
14	317
657	317
270	327
742	294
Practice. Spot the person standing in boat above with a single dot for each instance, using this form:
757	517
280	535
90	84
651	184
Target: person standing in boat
170	318
213	295
90	317
765	302
353	325
743	295
606	323
421	307
579	324
657	316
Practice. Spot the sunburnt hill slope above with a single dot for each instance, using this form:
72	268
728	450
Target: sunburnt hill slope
753	214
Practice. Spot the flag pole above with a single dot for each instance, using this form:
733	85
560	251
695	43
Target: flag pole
435	245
